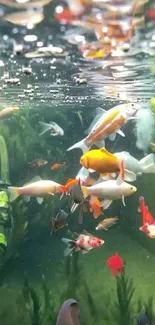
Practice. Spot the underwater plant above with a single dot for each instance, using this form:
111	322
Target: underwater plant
41	308
4	160
124	290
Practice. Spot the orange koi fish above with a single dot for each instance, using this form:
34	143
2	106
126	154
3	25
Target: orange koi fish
102	161
71	181
84	242
107	124
148	226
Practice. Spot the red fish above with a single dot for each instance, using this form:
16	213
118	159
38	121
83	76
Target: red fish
148	226
151	13
66	16
115	263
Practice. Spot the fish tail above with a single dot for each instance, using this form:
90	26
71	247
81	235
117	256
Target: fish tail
44	127
64	188
120	178
13	192
70	246
81	144
95	206
85	191
53	224
148	164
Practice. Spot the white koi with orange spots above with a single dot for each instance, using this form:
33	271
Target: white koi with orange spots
107	124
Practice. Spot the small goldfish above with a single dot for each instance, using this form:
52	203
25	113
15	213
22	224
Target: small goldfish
37	187
107	124
84	242
53	127
106	223
102	161
38	163
71	181
148	226
59	165
8	111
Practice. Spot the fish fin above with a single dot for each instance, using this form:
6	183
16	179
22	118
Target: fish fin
84	251
36	178
91	170
53	224
27	198
148	163
13	193
99	113
100	143
120	177
85	232
129	176
52	123
45	127
105	229
85	191
120	132
105	204
95	206
70	246
77	249
73	207
105	177
123	200
39	199
50	193
112	136
81	144
133	118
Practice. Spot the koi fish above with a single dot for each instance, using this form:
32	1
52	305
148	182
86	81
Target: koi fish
53	127
59	165
84	242
148	226
102	161
37	187
115	263
109	190
8	111
107	124
144	129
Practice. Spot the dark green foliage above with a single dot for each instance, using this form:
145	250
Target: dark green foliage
148	306
125	291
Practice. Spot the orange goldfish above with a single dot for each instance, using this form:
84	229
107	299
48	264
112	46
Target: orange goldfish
58	165
38	163
102	161
106	125
85	242
71	181
8	111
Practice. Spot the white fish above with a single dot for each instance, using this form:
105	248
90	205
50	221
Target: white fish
83	175
37	187
144	129
53	127
143	166
109	190
107	124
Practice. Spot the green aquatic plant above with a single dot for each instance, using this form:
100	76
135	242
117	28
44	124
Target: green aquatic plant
148	306
41	308
16	237
4	160
124	290
32	303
